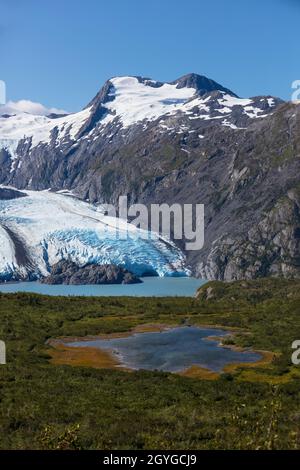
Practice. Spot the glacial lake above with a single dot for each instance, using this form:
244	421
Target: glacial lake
151	287
172	350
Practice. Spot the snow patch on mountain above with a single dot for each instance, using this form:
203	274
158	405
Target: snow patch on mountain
38	129
10	146
134	101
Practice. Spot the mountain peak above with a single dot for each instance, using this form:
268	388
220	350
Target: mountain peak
134	99
201	83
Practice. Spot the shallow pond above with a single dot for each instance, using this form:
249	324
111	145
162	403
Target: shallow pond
172	350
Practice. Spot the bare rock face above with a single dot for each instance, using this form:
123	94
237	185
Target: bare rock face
7	194
66	272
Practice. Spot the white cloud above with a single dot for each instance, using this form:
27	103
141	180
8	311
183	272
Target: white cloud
30	107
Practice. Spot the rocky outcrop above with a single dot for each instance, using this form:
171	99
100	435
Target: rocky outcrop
202	84
270	248
7	194
66	272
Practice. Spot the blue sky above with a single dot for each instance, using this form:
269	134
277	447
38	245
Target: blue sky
60	52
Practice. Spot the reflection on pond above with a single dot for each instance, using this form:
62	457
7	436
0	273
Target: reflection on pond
172	350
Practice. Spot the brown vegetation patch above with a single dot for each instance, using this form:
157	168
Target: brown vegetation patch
61	354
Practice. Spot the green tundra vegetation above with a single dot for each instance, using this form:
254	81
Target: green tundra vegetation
47	406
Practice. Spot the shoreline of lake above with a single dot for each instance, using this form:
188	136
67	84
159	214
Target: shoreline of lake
62	352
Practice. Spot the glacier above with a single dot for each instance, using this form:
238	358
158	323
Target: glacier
44	227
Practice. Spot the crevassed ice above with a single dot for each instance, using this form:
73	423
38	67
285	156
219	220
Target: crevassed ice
54	227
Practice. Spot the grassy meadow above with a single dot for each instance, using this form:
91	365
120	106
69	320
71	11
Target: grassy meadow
50	406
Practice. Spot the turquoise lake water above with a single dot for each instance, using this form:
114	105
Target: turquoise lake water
172	350
151	286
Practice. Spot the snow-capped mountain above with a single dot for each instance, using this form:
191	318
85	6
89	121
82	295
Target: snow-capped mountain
188	141
124	103
40	228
